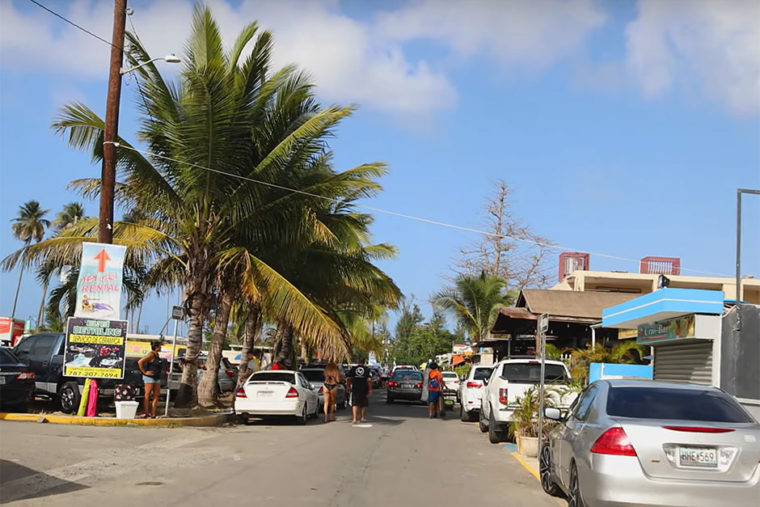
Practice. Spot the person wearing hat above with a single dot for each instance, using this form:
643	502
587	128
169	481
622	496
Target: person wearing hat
435	385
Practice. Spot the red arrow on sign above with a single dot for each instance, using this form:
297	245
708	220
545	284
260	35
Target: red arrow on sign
102	257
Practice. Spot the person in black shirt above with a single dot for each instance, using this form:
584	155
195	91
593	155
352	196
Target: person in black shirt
361	389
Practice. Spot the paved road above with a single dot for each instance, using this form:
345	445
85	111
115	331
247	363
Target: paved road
400	458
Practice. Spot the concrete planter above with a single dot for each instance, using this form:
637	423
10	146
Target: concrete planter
528	446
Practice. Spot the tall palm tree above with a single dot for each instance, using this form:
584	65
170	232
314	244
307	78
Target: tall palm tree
29	225
226	142
70	214
475	301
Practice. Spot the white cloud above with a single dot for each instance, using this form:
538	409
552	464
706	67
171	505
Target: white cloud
707	47
534	33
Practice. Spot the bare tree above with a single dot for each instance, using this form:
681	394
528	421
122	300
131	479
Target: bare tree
510	250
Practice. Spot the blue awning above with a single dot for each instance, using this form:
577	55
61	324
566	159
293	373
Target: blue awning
661	305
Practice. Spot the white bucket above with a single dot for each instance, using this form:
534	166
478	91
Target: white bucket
126	409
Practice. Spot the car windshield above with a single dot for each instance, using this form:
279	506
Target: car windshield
530	373
7	357
482	373
683	404
407	375
314	375
273	376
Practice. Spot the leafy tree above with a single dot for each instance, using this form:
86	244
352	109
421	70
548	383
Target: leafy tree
623	352
29	225
475	301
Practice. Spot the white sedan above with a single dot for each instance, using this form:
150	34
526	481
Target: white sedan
277	392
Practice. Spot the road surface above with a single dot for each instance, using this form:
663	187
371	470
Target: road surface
399	458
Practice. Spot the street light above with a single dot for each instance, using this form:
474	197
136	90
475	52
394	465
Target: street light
170	58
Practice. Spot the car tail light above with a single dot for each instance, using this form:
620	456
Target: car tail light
391	383
321	389
698	429
418	385
229	373
614	441
476	383
503	395
292	393
25	375
240	393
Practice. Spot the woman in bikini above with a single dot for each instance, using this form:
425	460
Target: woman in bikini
332	379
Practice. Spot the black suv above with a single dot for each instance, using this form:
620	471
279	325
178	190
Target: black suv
44	355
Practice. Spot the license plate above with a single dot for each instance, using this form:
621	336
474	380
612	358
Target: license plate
701	457
2	379
405	386
265	394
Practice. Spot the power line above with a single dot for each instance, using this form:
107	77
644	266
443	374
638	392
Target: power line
540	244
35	2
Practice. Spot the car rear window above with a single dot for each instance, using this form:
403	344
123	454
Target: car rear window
482	373
7	357
314	375
407	375
664	403
450	374
530	373
273	376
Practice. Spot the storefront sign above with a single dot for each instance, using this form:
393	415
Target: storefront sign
666	330
100	279
95	348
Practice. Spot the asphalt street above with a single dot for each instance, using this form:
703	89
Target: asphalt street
400	457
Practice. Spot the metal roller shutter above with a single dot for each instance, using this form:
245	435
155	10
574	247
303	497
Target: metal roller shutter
684	362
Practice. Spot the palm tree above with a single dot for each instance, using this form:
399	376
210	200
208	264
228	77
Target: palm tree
71	213
475	301
226	143
29	225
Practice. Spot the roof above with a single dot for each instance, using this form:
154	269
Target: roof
588	305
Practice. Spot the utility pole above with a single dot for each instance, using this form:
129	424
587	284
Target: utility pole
111	132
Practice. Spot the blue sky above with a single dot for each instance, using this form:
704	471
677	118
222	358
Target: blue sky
624	128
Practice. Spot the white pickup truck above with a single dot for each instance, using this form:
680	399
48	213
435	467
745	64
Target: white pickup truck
509	381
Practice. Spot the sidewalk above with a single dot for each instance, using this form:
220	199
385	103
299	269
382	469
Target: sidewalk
171	422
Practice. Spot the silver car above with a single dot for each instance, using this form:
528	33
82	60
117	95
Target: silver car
627	442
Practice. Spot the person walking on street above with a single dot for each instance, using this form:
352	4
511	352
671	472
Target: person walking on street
151	367
435	385
333	377
361	389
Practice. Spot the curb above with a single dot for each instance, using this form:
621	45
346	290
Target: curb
211	420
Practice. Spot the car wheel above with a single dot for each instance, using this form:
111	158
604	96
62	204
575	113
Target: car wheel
69	397
545	472
464	415
303	418
482	422
494	434
574	498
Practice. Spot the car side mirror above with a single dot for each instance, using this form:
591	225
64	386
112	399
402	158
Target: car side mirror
553	413
485	381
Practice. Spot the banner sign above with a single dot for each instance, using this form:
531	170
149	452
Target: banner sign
95	348
666	330
100	279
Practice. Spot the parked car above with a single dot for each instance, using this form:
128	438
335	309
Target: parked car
628	442
452	381
471	390
16	381
509	380
226	374
316	378
279	392
405	385
44	354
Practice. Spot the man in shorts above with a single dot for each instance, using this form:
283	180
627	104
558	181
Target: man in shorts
361	389
435	385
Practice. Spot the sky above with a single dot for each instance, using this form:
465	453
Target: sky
624	128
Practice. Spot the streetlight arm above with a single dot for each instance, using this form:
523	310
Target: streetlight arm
171	58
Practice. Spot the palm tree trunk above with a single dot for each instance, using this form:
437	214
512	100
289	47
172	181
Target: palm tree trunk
41	312
208	388
187	395
139	314
285	333
15	298
250	333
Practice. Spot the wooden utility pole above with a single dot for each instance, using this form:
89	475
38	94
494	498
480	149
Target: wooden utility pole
111	132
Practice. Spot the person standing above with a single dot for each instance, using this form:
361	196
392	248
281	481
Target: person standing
361	389
253	365
435	385
333	378
151	367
